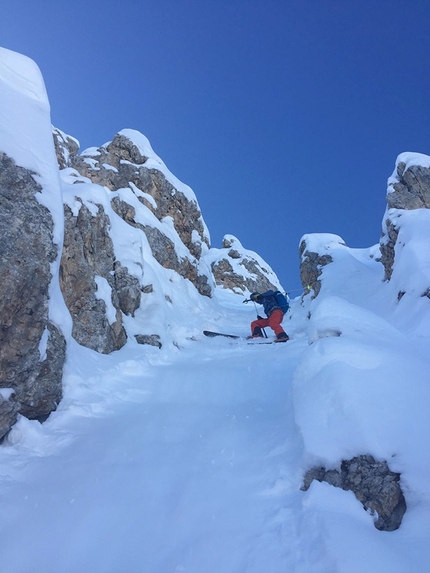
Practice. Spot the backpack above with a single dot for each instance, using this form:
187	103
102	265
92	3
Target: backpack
282	301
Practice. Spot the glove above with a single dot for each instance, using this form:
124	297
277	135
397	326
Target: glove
259	317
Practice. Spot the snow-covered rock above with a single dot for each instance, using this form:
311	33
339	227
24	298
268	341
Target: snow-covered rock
315	252
240	270
140	185
408	190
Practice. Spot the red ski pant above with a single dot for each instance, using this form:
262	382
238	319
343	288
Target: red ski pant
274	321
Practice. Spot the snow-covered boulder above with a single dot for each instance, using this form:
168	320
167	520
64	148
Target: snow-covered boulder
372	482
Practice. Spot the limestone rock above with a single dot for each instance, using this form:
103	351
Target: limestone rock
373	484
408	189
151	339
127	288
387	248
39	399
240	270
26	252
163	249
87	254
9	410
65	147
120	164
311	264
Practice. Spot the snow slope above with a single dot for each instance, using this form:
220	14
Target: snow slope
192	460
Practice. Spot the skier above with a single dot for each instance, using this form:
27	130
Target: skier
274	314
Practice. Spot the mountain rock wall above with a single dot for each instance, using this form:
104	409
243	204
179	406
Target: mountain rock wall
32	348
123	164
88	255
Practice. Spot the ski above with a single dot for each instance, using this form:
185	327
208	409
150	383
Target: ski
256	342
213	334
251	341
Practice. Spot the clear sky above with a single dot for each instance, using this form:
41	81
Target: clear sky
284	116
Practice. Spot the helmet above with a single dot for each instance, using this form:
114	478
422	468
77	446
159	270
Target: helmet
255	296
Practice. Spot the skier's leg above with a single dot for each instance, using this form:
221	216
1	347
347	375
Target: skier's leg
257	325
275	320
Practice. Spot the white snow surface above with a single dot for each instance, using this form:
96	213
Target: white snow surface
190	458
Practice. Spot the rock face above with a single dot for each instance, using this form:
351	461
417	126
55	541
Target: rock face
8	415
32	349
121	164
163	248
65	147
387	247
88	254
150	339
408	189
240	270
312	262
374	485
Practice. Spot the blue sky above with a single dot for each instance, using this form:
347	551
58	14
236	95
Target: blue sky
285	117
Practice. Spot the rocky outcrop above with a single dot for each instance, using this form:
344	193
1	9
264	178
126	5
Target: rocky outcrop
240	270
9	410
311	265
41	398
65	147
163	249
150	339
387	248
373	484
121	164
408	189
88	256
32	349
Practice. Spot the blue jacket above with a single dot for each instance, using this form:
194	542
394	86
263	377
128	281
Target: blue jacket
269	302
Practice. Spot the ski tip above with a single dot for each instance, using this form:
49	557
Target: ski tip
213	334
